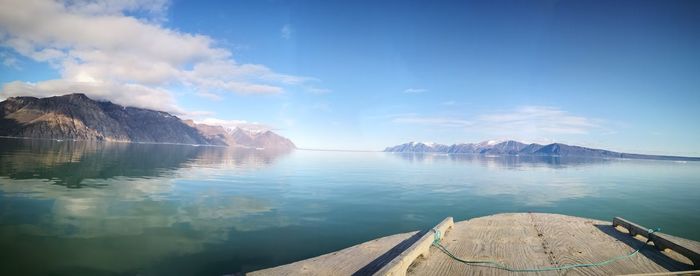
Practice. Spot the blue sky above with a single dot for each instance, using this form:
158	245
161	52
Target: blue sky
621	75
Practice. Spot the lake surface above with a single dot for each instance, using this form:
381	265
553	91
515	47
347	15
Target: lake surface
116	208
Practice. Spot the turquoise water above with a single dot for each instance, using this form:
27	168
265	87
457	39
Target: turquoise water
104	208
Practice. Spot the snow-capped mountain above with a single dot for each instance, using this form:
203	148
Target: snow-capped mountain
241	137
77	117
418	147
510	147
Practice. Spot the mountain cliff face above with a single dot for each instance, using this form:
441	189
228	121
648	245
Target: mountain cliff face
507	147
516	148
567	150
219	135
417	147
77	117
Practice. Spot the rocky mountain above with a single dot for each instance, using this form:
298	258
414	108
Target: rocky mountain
558	149
517	148
418	147
530	149
77	117
219	135
507	147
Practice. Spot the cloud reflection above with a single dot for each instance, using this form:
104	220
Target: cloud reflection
525	180
130	211
503	161
72	163
99	200
537	193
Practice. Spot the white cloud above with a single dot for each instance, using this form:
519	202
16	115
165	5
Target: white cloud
434	121
415	90
204	93
538	119
253	126
156	9
102	51
526	122
286	31
9	60
126	94
315	90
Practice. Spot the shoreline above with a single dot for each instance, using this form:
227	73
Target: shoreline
133	142
650	157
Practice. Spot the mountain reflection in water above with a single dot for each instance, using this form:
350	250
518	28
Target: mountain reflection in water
121	208
504	161
70	163
86	204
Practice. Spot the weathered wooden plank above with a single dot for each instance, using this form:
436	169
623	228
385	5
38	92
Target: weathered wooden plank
421	248
574	240
381	261
687	248
505	238
543	240
518	240
343	262
691	272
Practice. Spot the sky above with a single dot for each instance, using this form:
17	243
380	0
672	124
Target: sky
364	75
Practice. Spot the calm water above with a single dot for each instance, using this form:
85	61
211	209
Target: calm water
86	208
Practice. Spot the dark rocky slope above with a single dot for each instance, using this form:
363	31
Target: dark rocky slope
77	117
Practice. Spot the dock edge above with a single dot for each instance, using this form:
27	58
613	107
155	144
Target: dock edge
399	265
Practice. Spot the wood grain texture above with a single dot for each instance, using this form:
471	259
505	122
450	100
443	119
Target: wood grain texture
421	248
670	244
542	240
510	239
692	272
344	262
519	240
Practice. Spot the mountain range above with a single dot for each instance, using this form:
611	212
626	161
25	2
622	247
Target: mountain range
511	147
77	117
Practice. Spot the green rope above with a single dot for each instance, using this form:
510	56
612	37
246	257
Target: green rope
494	264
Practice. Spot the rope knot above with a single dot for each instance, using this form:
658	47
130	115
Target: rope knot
438	236
650	232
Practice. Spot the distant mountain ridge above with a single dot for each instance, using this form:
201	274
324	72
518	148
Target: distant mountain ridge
237	136
77	117
511	147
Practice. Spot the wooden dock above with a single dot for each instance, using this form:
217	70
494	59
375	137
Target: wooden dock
516	240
